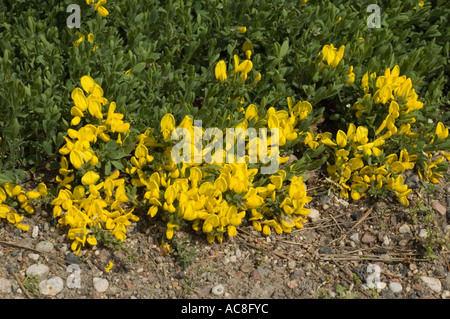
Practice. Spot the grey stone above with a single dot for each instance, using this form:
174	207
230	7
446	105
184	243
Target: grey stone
70	257
5	286
292	264
413	181
40	270
51	287
395	287
326	250
354	238
44	246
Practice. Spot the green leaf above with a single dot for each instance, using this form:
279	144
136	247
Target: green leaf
138	67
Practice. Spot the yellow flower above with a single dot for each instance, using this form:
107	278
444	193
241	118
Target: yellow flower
351	75
242	30
421	3
441	131
90	178
167	125
100	8
221	71
110	265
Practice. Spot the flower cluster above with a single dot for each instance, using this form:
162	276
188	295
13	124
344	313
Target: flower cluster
85	201
99	7
373	157
14	198
241	68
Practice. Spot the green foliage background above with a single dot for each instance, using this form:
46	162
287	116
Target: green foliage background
172	48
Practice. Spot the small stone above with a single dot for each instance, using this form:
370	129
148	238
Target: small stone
380	250
314	215
70	257
233	259
412	267
433	283
325	206
44	246
413	181
100	284
292	284
51	287
445	294
33	256
395	287
367	238
416	287
326	250
218	290
5	286
354	238
404	229
386	241
40	270
292	264
35	232
180	275
439	208
238	253
423	233
403	242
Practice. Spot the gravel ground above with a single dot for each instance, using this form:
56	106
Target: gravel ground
369	249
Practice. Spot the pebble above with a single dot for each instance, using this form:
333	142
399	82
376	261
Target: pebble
404	229
70	257
218	290
439	208
354	238
51	287
292	264
44	246
35	232
326	250
40	270
233	259
33	256
395	287
100	284
238	253
433	283
367	238
325	206
380	250
5	286
413	181
445	294
386	241
314	215
423	233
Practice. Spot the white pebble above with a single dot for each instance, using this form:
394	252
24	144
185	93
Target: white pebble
218	290
395	287
33	256
100	284
404	229
423	233
433	283
238	253
35	232
51	287
314	215
40	270
233	259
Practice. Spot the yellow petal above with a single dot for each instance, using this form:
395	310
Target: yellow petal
90	178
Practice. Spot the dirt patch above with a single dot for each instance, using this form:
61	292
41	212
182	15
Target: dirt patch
372	248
